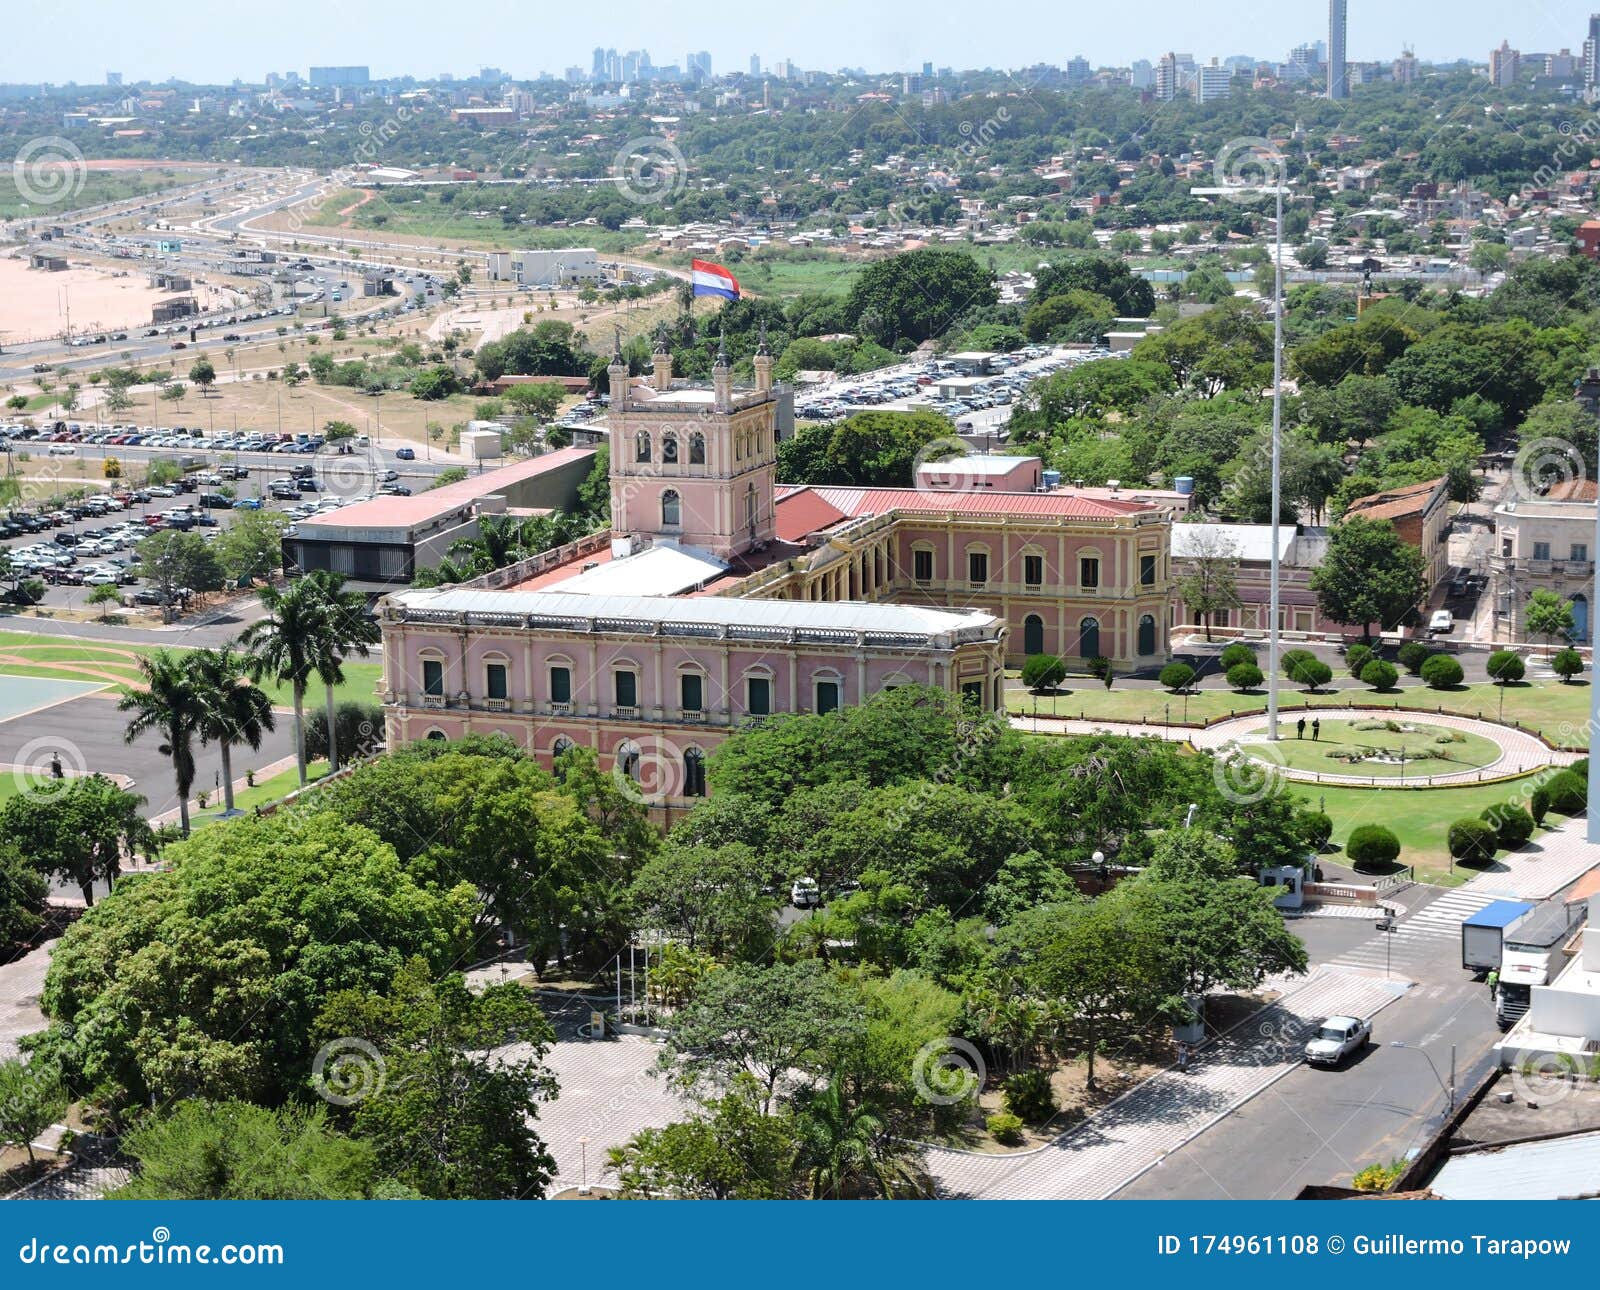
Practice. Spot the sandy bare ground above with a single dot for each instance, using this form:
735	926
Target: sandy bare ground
35	304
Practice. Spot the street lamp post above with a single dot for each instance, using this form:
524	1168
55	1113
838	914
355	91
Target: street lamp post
1278	190
1450	1088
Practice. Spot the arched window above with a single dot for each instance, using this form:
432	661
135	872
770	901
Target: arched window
642	446
1089	638
436	734
671	509
697	449
629	760
561	745
1033	635
694	773
1147	635
669	448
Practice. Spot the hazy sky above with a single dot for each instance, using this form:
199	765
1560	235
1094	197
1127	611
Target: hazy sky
61	40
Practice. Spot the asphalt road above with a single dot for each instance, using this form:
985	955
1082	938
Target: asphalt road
1321	1126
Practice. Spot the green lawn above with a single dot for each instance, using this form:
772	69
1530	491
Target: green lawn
93	187
1427	749
279	785
1420	817
1559	712
97	661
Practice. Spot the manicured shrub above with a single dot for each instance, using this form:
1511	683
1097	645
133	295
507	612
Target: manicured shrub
1379	675
1371	846
1312	673
1005	1128
1176	676
1512	825
1566	663
1441	672
1043	672
1028	1096
1539	804
1316	828
1291	659
1569	793
1377	1178
1580	768
1234	654
1505	665
1244	676
1412	655
1472	841
1357	657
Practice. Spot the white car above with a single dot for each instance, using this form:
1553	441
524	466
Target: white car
805	893
1442	621
1336	1039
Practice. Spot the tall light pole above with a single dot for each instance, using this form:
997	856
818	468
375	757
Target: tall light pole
1450	1088
1278	190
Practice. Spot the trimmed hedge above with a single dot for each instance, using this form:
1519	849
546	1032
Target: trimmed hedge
1473	841
1177	676
1379	675
1441	672
1234	654
1245	676
1372	846
1512	825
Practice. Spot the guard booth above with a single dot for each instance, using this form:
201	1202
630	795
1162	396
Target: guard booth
1290	881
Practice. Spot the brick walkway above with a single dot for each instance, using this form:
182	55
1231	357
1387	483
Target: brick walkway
1113	1147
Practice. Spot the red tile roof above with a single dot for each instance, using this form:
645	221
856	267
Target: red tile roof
1392	503
1573	490
805	511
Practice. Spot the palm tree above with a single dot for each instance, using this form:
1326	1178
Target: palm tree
286	645
233	710
846	1150
349	628
170	703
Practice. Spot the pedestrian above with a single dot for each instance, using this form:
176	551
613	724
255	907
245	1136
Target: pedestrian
1316	729
1494	983
56	771
1300	728
1183	1057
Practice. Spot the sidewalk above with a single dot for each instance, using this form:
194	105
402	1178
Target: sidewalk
1550	862
1108	1151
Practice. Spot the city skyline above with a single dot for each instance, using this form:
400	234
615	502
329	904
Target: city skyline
890	40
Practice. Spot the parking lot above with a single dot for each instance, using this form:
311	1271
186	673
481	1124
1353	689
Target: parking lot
985	401
74	546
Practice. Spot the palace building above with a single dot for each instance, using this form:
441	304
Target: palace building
719	596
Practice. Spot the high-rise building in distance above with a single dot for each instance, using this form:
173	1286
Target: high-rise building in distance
1504	64
755	64
1338	76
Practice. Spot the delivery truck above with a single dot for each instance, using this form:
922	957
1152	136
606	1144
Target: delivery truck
1533	952
1483	934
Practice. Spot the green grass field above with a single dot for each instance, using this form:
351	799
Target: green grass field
1557	711
22	654
1420	817
96	186
1426	749
417	213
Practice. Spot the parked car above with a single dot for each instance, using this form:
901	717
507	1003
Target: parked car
405	454
1441	622
1336	1039
805	893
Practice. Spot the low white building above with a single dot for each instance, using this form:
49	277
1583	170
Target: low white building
562	267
